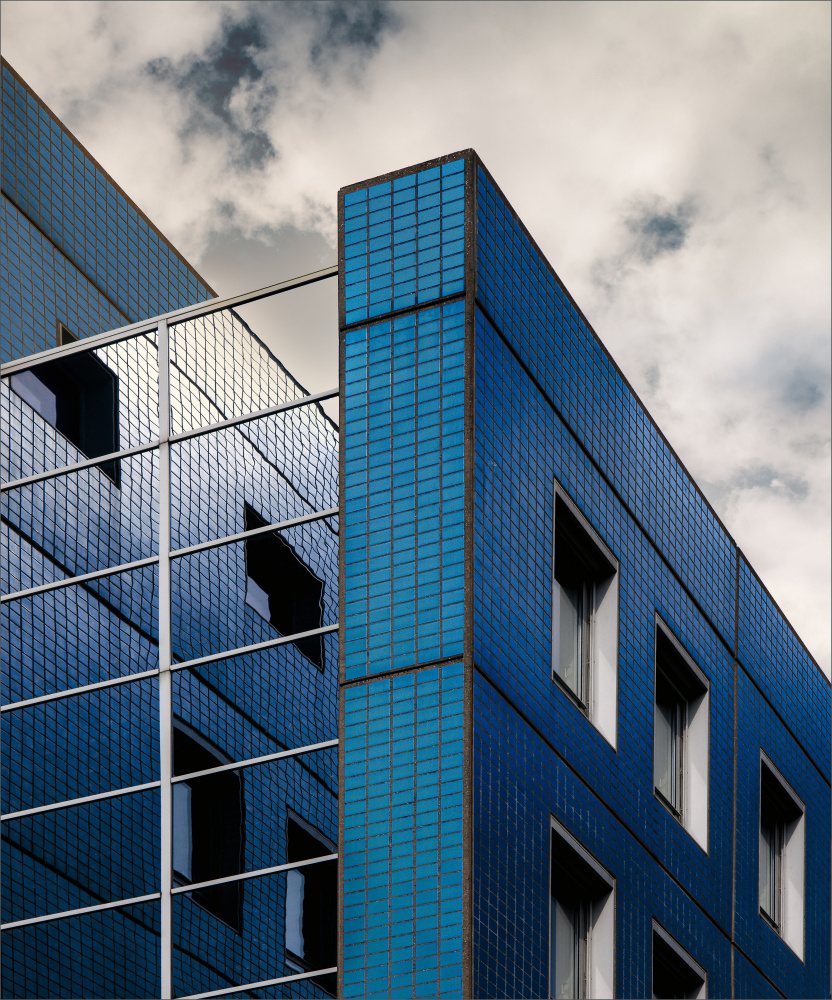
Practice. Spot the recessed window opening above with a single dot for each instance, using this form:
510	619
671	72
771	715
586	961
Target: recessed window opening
681	734
782	860
675	972
281	588
311	903
582	921
78	396
208	825
585	617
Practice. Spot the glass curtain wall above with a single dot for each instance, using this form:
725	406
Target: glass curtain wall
170	652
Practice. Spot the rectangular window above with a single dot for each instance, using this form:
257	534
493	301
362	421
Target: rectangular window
675	972
281	588
681	733
208	825
585	617
311	903
582	921
782	856
78	396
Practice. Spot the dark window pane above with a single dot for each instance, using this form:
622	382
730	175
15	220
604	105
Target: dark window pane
208	827
282	588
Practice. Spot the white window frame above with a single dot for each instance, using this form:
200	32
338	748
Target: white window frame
694	768
600	703
599	948
792	888
684	956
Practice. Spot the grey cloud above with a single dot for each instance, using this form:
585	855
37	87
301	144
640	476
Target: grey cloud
804	389
650	228
767	478
212	79
342	24
658	228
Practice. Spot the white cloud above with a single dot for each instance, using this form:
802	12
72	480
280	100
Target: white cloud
586	114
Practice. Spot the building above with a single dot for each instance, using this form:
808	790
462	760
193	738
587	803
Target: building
578	749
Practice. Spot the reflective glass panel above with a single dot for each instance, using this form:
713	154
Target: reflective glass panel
81	634
111	953
82	745
87	854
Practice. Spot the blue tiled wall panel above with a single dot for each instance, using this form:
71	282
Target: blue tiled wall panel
403	488
402	842
522	296
404	241
750	983
39	286
520	781
760	729
521	447
76	206
81	951
779	663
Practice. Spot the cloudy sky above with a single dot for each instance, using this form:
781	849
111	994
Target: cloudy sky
671	159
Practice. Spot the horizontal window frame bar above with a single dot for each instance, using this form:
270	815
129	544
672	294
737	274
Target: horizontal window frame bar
42	699
204	308
274	870
66	470
68	803
129	678
148	785
87	463
80	911
69	581
242	535
252	761
263	984
229	654
291	404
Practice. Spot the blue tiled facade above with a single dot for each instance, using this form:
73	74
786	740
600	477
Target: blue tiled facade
75	248
542	403
472	388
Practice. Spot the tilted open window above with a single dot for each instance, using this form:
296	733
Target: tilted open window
78	395
582	922
782	856
675	972
311	903
585	617
681	735
282	588
208	825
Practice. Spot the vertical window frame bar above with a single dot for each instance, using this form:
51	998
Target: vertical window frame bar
165	683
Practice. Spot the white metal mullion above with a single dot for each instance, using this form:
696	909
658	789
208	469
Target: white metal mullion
165	683
97	907
65	470
176	316
211	658
274	870
263	984
252	761
254	647
70	581
68	803
97	574
41	699
245	418
88	463
242	535
130	678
